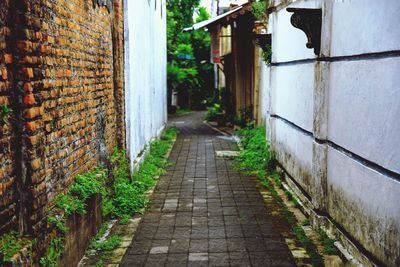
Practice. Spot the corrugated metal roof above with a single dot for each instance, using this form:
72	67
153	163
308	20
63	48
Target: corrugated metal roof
216	19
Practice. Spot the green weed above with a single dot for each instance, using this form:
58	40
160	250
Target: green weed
316	258
255	158
259	9
65	204
5	111
130	191
180	112
10	244
212	112
121	199
328	243
54	252
109	244
130	194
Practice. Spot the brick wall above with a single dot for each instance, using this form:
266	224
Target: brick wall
118	48
62	71
8	194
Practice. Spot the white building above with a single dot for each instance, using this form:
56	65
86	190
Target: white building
333	116
145	73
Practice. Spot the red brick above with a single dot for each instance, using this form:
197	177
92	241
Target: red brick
7	58
4	74
31	113
28	88
29	100
24	46
36	164
28	72
31	126
33	140
5	31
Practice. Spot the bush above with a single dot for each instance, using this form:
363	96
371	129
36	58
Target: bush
130	193
255	155
212	112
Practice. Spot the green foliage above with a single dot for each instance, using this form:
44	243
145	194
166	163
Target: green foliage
181	112
310	247
129	199
212	112
59	222
5	111
70	204
328	243
87	185
74	201
184	49
54	252
130	194
255	158
124	220
182	78
100	233
266	53
104	246
187	71
259	9
10	244
109	244
121	199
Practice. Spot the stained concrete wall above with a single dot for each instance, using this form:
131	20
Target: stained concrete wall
264	94
333	118
145	73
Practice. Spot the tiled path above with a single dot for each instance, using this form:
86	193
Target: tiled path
203	212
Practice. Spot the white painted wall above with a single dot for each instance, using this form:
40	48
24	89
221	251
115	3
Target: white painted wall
294	150
145	73
370	26
264	94
286	38
292	93
364	109
365	201
351	109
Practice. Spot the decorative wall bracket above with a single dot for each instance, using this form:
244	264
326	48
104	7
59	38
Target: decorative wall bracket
309	21
106	3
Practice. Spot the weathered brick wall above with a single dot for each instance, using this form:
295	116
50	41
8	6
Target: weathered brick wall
8	180
119	92
67	68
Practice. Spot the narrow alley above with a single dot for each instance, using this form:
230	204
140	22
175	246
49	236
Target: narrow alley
199	133
203	212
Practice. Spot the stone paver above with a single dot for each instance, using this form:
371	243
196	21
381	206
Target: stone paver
203	212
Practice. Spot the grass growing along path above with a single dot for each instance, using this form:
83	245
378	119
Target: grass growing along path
255	158
130	195
123	195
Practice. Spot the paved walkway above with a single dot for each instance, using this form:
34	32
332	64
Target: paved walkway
203	212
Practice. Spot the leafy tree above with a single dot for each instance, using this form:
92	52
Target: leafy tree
188	54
